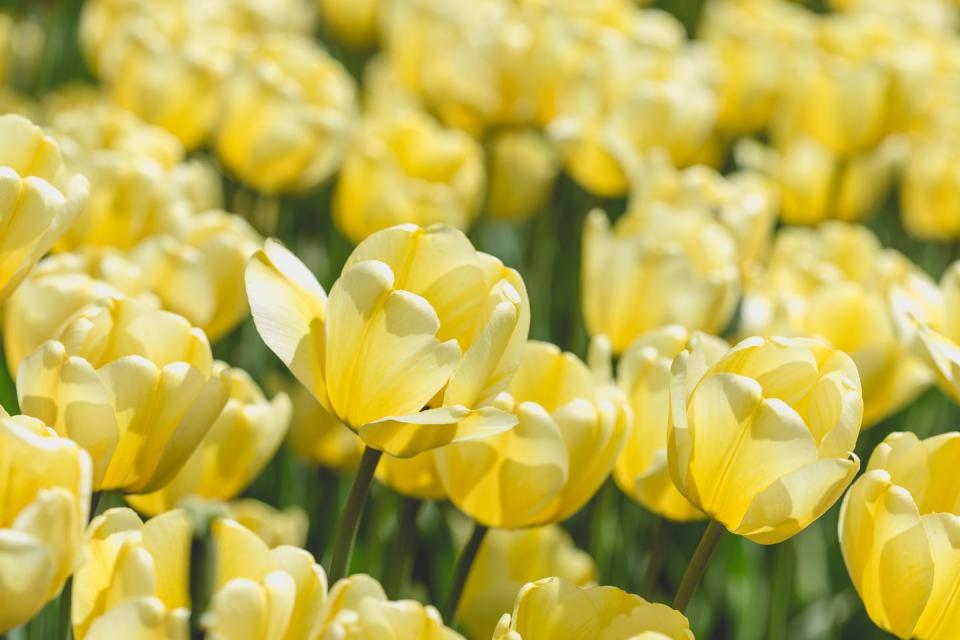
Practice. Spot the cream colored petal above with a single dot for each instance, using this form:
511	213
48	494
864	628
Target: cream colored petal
240	553
311	590
238	611
471	381
137	619
406	436
27	575
167	537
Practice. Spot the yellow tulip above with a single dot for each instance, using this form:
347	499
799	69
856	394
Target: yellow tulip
57	288
416	477
354	23
817	185
523	168
38	201
288	110
235	450
931	184
43	510
405	167
197	270
134	581
643	374
898	536
507	560
133	385
395	337
570	430
556	609
317	436
655	269
358	609
198	183
262	593
274	526
763	443
833	282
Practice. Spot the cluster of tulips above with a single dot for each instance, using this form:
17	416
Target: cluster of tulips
741	326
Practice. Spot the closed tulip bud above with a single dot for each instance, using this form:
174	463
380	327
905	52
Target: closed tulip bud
133	385
507	560
240	443
405	167
834	282
816	185
262	593
38	202
763	442
898	535
523	168
57	288
288	110
358	609
930	193
570	430
317	436
274	526
43	510
556	609
197	270
644	376
395	336
130	200
134	581
655	269
353	23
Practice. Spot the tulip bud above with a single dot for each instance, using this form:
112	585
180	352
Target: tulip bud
898	527
262	593
353	23
644	376
404	167
288	109
450	348
134	581
763	443
570	430
655	269
44	507
556	609
242	440
57	288
132	385
197	270
523	168
507	560
38	202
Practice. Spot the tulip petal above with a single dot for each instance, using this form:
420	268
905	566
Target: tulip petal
941	616
238	611
168	537
406	436
471	382
27	574
143	618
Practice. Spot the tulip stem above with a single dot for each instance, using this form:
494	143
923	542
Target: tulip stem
401	551
349	523
64	626
461	571
661	535
698	565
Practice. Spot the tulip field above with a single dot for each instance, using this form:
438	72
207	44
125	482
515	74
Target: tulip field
479	319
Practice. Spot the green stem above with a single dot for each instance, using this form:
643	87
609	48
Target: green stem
461	571
349	523
397	565
64	625
203	570
780	596
658	546
698	565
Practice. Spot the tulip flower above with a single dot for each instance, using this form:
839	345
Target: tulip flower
43	510
134	581
763	442
556	609
834	282
931	182
523	168
58	287
416	477
288	109
353	23
508	560
38	202
262	593
274	526
897	527
655	269
197	183
405	167
318	437
132	385
570	430
242	440
644	376
197	270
